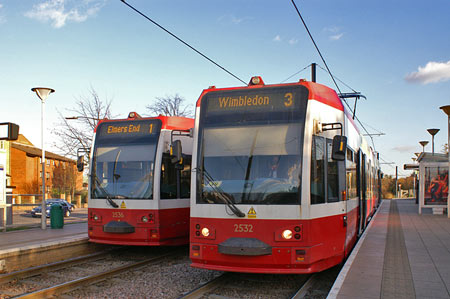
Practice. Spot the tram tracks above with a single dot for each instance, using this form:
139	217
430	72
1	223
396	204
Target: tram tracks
58	278
239	285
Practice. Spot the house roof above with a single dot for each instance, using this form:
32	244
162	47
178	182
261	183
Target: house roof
37	152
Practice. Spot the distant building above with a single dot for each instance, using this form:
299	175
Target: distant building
24	169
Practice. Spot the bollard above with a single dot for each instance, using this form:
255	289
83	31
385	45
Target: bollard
56	216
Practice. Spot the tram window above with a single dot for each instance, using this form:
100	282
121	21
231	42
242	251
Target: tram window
351	175
349	155
168	178
332	175
317	170
185	177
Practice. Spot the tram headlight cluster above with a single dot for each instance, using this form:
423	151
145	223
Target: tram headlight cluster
287	234
96	218
205	232
293	233
202	231
148	219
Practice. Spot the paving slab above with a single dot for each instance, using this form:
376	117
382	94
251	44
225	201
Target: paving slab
413	251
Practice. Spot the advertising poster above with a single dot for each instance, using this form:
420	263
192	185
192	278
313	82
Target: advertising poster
436	185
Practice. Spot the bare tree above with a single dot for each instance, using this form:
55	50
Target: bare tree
77	133
170	106
64	179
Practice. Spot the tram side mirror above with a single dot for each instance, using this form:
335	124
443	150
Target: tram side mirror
80	163
175	151
339	147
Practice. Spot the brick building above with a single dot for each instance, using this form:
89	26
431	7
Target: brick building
25	170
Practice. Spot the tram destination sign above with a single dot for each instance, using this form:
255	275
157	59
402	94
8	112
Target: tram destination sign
257	100
129	130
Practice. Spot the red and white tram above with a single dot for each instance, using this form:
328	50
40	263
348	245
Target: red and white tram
271	191
138	190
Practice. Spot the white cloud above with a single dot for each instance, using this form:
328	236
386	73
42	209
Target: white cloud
277	38
404	148
335	32
332	29
293	41
233	19
336	36
2	17
432	72
59	12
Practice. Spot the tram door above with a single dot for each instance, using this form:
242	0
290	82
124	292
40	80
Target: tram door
361	187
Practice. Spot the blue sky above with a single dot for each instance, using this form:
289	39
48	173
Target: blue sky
397	53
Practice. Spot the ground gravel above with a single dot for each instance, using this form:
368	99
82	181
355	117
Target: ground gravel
168	279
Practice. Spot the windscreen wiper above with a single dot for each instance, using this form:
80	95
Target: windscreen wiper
108	196
223	196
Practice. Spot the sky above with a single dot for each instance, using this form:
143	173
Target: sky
396	53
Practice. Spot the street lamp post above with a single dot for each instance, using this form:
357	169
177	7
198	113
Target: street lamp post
432	133
446	109
42	93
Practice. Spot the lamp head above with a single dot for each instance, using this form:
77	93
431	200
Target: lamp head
42	92
446	109
433	131
423	143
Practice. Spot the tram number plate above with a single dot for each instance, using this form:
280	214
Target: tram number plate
243	228
117	215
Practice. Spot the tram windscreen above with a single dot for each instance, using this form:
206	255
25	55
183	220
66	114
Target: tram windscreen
124	159
252	154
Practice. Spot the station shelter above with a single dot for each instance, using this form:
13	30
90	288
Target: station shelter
433	182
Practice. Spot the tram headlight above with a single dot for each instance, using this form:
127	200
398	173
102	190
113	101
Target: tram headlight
205	232
287	234
95	217
144	219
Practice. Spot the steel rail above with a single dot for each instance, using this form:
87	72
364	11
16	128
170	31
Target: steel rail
90	279
28	272
207	287
303	291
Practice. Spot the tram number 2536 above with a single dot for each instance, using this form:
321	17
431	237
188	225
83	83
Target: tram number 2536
118	215
243	228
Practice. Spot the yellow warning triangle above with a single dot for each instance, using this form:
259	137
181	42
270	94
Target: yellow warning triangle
122	205
251	213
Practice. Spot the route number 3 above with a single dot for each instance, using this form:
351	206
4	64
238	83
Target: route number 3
288	102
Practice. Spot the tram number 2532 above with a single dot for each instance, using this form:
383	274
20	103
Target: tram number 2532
243	228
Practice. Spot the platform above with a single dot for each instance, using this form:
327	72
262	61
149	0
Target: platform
401	255
34	246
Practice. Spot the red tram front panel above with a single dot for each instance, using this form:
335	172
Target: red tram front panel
269	151
258	245
137	193
139	227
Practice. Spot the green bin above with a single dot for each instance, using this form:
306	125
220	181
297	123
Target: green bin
56	216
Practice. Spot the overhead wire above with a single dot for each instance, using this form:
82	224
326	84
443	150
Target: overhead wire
328	69
296	73
183	42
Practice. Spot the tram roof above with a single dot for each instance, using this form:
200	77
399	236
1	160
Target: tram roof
317	91
168	122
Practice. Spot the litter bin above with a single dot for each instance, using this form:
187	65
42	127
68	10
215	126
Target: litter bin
56	216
